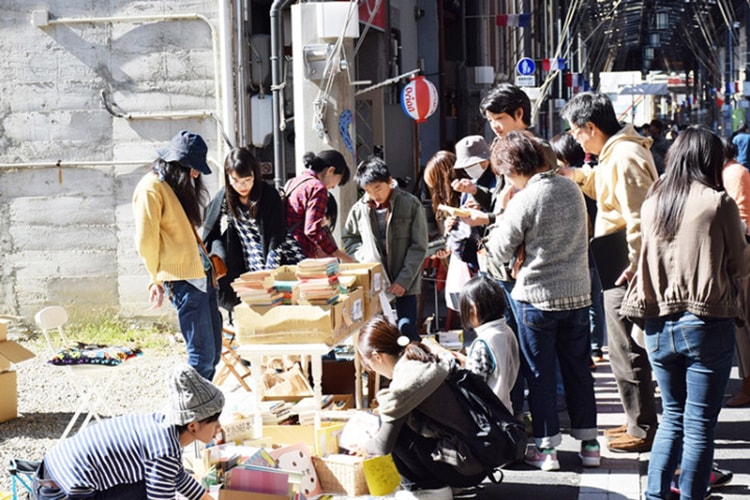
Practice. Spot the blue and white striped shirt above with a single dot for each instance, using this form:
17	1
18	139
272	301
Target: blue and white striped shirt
124	450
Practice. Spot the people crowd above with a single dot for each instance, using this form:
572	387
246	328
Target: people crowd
519	271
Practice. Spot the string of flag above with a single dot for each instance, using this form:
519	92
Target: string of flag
517	20
555	64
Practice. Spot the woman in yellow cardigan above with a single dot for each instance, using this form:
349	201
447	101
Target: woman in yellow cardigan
167	204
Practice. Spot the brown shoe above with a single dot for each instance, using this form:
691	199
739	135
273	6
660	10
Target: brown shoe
740	399
617	431
630	444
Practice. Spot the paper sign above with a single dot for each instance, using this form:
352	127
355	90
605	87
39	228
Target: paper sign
238	431
385	305
381	475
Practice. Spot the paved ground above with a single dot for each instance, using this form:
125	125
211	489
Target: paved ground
623	475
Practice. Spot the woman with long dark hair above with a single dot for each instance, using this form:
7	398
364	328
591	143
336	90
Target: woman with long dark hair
685	293
167	207
244	222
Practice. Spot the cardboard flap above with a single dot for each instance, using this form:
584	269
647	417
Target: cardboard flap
15	352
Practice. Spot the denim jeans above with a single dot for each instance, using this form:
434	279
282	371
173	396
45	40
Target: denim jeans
406	309
691	357
546	337
200	324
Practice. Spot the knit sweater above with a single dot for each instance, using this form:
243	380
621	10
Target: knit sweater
164	237
697	271
619	184
548	216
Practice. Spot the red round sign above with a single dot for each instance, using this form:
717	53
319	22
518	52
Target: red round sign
419	99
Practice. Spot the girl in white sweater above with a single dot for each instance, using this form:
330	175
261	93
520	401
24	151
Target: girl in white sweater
493	355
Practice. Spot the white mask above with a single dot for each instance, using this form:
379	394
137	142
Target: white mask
474	171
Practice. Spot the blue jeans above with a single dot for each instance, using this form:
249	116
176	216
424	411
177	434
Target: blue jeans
406	309
200	324
546	337
691	358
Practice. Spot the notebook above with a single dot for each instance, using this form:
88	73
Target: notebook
610	254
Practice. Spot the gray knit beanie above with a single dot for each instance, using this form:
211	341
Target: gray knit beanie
191	397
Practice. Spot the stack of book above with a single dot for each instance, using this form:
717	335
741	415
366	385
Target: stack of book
256	288
318	280
306	408
286	288
275	412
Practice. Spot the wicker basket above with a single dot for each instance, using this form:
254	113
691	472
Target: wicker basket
341	474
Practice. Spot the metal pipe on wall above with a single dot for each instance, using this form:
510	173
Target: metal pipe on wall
161	18
277	89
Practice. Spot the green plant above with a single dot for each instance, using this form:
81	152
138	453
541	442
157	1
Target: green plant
103	328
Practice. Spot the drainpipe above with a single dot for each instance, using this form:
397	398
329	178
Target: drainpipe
41	19
277	88
227	74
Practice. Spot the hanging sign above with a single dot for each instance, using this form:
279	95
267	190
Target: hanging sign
419	99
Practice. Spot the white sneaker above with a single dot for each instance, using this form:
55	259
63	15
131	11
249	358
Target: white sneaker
444	493
545	460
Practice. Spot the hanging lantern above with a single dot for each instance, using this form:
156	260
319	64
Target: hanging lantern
419	99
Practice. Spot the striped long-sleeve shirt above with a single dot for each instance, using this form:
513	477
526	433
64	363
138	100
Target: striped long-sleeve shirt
123	450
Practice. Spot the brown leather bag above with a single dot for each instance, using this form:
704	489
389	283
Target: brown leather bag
220	268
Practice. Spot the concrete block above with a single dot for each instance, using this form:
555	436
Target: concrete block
52	182
70	238
61	211
38	265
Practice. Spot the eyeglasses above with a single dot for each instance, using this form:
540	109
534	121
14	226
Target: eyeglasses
243	182
576	131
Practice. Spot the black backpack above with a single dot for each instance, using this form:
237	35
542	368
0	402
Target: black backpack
496	438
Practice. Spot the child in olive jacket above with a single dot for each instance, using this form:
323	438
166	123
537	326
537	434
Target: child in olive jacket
388	225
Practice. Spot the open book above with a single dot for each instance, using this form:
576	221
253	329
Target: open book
455	212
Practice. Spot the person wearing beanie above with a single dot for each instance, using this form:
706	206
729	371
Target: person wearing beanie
139	456
167	206
306	201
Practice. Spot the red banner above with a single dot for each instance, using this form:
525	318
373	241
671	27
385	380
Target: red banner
366	10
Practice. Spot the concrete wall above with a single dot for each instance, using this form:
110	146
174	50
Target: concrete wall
66	234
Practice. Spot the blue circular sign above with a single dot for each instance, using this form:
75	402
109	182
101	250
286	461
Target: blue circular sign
526	66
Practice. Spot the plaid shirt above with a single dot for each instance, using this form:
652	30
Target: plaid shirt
306	208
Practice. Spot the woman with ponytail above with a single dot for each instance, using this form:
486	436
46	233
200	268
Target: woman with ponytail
306	201
416	410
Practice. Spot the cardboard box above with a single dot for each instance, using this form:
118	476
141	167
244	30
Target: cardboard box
320	441
371	278
368	276
10	352
299	324
9	390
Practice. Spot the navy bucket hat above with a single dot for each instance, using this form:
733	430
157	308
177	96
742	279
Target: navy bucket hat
188	149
